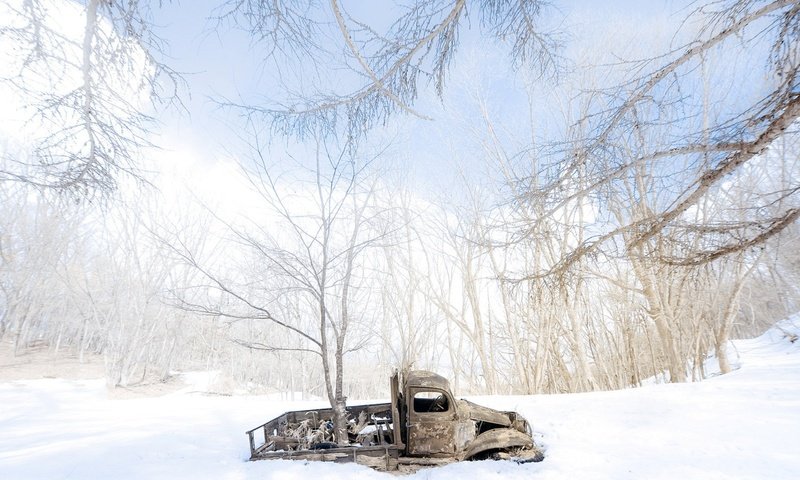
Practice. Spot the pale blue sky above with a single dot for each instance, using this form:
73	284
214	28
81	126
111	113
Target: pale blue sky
225	63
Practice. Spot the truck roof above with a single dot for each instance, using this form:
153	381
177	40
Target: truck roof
424	378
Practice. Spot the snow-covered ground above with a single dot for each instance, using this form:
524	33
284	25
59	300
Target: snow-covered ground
742	425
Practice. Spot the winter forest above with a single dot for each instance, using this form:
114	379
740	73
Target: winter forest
526	196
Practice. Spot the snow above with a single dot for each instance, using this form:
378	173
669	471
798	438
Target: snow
745	424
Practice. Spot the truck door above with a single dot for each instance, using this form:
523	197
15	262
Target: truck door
431	422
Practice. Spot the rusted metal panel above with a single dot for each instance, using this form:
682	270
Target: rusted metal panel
484	414
431	438
394	385
426	379
432	421
465	433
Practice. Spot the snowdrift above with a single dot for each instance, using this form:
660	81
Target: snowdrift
741	425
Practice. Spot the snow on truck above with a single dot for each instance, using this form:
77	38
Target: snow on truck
424	425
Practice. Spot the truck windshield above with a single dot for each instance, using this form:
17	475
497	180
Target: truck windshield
429	401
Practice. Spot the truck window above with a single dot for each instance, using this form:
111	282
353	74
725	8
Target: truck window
428	402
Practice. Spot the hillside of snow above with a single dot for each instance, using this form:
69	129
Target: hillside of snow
742	425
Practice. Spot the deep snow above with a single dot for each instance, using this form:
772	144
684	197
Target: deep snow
742	425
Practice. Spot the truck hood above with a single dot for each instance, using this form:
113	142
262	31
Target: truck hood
484	414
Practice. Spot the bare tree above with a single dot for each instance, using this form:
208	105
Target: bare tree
410	330
308	251
89	91
695	151
83	283
382	70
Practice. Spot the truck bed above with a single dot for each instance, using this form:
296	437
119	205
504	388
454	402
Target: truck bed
302	435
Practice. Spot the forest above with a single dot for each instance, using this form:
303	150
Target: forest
617	204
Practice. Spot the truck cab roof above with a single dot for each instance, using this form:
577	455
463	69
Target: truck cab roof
426	379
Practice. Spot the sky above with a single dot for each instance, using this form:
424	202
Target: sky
223	63
201	143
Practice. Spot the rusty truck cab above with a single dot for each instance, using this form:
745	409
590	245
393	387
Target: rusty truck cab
431	415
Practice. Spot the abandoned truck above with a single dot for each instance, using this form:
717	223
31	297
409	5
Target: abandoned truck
424	425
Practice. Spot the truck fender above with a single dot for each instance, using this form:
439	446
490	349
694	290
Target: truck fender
497	439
